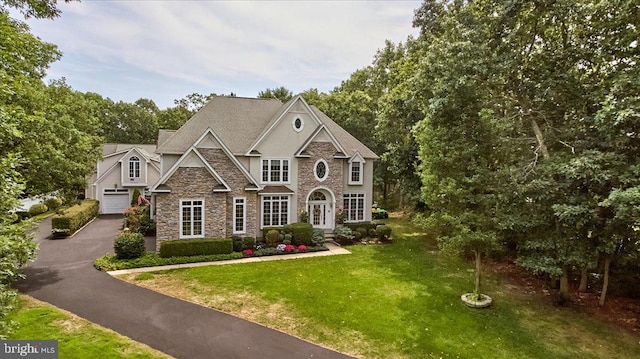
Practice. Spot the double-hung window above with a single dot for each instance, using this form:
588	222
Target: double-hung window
134	167
275	210
353	205
275	171
239	214
191	218
355	172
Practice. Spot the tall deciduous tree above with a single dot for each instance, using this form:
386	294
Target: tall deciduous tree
193	102
24	62
281	93
558	81
129	123
460	148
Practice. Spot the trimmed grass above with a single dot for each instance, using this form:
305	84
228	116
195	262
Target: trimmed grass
395	301
77	338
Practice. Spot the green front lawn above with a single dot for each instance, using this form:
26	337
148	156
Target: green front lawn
395	301
77	338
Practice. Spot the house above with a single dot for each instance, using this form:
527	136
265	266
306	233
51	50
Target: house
122	169
241	164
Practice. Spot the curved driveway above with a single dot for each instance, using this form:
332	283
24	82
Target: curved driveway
63	275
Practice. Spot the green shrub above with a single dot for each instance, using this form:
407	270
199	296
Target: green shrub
344	235
273	238
22	215
249	243
357	235
138	219
266	230
383	232
129	245
354	226
362	231
38	208
302	233
134	198
317	237
108	262
53	203
242	243
238	245
195	247
74	217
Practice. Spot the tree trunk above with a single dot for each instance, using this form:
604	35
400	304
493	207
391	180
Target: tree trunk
564	285
478	256
540	138
605	281
583	280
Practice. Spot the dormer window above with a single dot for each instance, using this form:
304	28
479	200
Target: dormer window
355	172
134	167
297	124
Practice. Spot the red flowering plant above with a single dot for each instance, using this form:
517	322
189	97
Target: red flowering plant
302	248
247	252
289	248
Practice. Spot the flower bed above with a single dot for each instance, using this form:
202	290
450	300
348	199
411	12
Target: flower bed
281	249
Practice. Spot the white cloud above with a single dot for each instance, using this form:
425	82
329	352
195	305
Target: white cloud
219	46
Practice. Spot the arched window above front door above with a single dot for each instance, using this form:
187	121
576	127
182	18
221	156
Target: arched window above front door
317	196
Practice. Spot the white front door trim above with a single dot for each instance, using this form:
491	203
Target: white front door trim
321	211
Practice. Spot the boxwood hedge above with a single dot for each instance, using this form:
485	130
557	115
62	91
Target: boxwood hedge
74	217
195	247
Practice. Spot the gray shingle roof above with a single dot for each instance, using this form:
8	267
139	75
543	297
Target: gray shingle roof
148	151
240	121
347	141
163	135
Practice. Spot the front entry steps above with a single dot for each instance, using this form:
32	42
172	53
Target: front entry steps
329	237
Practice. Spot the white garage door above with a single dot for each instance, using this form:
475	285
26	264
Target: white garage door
115	200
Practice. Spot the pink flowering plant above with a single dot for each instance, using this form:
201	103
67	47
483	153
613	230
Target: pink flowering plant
247	252
289	248
302	248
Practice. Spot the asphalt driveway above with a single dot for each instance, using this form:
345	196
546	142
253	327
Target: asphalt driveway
63	275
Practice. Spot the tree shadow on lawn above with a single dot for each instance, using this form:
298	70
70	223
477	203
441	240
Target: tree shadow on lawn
434	320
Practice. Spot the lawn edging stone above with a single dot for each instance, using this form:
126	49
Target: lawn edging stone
471	301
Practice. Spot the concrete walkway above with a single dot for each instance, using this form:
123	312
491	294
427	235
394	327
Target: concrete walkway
63	275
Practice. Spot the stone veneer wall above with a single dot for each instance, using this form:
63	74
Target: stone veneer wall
190	183
307	180
223	165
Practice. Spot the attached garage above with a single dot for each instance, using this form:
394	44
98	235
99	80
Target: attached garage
115	200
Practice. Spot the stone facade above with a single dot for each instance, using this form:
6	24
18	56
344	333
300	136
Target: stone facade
232	175
306	179
190	183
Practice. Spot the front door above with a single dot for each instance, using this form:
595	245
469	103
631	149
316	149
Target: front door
318	215
319	210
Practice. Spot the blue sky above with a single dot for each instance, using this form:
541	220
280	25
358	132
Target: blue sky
164	50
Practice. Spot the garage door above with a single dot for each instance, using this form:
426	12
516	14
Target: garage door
115	200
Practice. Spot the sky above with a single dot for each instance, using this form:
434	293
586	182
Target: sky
166	49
